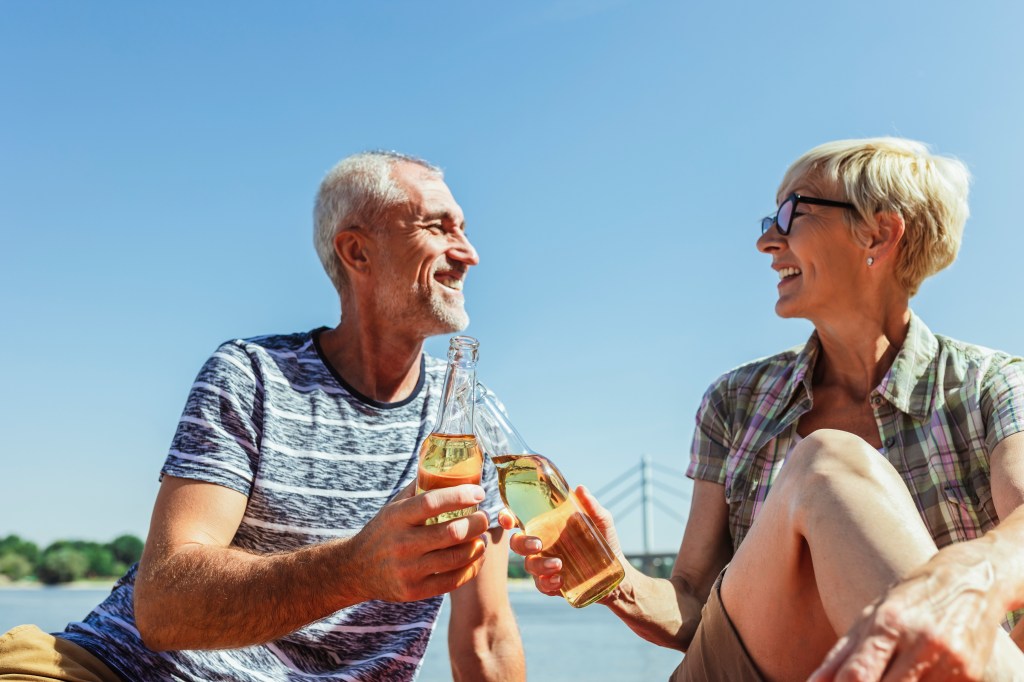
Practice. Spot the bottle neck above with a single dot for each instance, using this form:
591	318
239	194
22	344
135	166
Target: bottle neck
495	431
458	401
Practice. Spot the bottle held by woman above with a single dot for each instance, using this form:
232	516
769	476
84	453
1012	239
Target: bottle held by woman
450	455
545	507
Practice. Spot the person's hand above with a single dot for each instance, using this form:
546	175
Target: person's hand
546	570
935	625
399	558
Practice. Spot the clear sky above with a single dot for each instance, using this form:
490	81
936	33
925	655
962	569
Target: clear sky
158	164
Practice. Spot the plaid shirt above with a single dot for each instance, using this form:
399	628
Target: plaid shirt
940	410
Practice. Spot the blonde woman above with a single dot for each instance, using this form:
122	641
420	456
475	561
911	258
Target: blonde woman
827	473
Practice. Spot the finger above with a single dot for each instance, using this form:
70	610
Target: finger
442	583
453	558
456	531
539	566
836	656
602	516
427	505
867	659
507	519
590	503
524	545
907	666
550	584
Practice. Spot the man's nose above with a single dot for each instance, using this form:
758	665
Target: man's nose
462	250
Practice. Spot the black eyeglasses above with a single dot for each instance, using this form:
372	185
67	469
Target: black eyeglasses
783	218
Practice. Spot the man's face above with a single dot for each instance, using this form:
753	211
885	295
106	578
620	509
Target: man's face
424	256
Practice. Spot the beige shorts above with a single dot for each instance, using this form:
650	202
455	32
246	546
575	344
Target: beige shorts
716	652
29	654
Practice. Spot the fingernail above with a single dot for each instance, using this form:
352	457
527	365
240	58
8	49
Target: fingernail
478	494
552	563
533	545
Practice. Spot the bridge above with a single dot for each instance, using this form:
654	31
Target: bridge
642	487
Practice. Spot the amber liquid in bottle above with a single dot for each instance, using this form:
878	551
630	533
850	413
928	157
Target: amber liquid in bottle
533	488
447	460
450	455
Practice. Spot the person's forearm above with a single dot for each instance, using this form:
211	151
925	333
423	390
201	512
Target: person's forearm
495	655
661	611
1000	555
204	597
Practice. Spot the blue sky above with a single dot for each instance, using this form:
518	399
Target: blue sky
158	165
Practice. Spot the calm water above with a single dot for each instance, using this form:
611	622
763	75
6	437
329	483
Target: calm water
562	644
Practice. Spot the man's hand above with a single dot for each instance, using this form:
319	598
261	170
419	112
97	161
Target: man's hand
546	571
937	624
401	559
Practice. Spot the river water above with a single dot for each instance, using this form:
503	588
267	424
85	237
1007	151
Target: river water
562	644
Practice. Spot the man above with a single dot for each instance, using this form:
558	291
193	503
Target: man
286	541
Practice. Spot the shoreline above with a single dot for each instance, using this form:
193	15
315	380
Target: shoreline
97	584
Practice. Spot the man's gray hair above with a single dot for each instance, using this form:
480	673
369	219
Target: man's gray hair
357	191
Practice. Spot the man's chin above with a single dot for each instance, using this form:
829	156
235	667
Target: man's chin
451	322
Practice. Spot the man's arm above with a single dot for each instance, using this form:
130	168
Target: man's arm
942	620
483	640
665	612
195	591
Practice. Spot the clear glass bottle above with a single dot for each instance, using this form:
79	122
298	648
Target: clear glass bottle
450	455
536	492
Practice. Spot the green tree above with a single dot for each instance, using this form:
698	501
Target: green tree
126	548
62	565
12	544
15	566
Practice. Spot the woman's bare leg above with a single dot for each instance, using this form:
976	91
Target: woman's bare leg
837	528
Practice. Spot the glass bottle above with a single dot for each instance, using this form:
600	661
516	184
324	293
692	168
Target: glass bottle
450	455
536	492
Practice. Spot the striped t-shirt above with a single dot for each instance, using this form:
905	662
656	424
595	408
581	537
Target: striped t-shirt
268	417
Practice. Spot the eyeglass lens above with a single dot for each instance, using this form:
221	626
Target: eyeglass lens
785	216
782	218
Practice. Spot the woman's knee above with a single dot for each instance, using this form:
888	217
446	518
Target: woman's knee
828	457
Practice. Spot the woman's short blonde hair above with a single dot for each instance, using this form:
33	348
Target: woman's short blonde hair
891	174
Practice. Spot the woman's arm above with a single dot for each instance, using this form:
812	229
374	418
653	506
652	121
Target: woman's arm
665	612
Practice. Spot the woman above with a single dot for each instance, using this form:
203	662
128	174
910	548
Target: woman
895	442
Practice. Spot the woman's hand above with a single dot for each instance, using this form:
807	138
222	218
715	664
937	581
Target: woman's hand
546	571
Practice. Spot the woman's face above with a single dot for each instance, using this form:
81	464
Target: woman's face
819	263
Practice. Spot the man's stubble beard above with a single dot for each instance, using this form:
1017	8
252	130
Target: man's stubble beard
414	308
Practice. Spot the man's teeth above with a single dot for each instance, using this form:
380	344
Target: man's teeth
788	272
452	284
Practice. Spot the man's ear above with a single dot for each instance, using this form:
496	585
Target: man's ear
350	245
886	235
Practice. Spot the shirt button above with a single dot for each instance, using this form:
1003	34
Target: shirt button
889	442
876	400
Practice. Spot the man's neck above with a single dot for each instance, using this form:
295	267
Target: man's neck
381	366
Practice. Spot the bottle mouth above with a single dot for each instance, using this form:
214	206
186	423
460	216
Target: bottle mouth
463	341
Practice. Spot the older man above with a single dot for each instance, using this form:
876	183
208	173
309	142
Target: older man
285	541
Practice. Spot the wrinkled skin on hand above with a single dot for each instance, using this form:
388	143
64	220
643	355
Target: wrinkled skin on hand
546	570
937	624
401	559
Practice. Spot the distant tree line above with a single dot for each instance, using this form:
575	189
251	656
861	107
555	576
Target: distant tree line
67	560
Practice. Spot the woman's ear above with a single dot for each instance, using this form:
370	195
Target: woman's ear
886	235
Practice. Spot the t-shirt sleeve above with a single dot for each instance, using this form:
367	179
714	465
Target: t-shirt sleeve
709	452
1002	399
217	440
